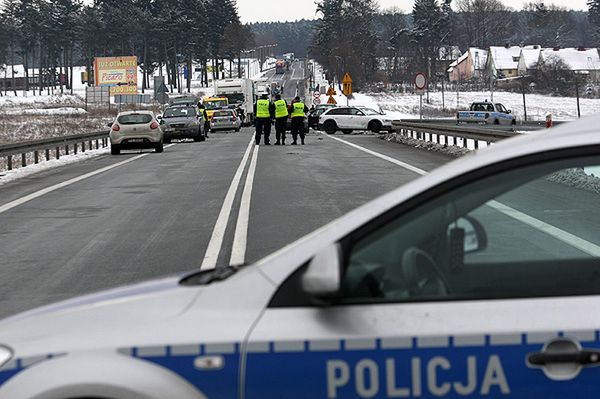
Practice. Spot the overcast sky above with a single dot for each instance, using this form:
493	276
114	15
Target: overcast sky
291	10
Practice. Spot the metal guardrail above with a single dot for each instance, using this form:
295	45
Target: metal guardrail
441	134
57	145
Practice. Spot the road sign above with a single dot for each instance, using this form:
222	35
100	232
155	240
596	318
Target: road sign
316	98
347	85
162	97
331	91
331	100
420	82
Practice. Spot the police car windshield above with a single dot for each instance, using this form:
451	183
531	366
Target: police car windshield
215	104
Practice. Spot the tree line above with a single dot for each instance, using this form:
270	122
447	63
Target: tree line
56	35
376	45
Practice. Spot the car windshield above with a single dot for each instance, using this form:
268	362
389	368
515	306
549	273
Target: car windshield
134	119
419	219
177	112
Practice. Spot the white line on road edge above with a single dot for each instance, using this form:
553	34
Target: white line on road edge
561	235
216	240
571	239
37	194
384	157
238	252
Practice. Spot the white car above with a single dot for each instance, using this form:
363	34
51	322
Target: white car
479	279
135	129
348	119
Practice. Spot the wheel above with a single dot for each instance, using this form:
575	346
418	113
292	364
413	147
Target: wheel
496	122
115	149
375	126
513	122
346	131
159	147
330	127
167	140
237	130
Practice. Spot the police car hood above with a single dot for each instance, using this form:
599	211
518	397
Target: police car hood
179	119
151	313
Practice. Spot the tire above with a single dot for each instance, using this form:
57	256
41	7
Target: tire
115	149
513	122
167	141
159	147
375	126
237	130
330	127
346	131
496	122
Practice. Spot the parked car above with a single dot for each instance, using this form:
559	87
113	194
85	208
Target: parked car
184	100
479	279
182	121
135	129
225	119
348	119
488	113
316	112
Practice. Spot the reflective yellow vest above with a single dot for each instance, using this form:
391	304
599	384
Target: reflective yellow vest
298	109
281	109
262	109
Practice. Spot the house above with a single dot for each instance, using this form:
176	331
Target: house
470	65
528	60
579	60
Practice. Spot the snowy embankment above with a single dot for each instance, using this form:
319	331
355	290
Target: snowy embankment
561	108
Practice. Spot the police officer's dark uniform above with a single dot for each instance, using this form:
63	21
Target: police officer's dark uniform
264	111
206	121
297	112
281	116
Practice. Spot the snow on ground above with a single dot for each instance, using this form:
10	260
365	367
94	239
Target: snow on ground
561	108
11	175
46	111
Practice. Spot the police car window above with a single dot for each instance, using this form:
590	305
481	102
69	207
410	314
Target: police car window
500	108
488	239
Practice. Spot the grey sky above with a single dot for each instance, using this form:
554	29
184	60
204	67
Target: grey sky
291	10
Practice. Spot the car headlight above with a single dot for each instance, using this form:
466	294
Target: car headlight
5	355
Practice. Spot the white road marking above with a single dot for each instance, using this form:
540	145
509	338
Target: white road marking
238	252
47	190
559	234
216	240
566	237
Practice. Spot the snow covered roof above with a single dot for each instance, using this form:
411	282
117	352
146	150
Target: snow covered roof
576	59
530	56
505	57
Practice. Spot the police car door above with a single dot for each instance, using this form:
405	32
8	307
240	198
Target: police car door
484	287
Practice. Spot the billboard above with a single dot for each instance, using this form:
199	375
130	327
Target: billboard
119	73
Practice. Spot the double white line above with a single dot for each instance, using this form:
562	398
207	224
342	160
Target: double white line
238	251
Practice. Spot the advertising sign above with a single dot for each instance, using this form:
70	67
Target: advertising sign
119	73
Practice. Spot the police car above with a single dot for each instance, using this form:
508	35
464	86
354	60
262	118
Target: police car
481	279
488	113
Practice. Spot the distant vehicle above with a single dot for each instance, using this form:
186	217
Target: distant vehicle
213	103
181	121
184	100
488	113
225	119
348	119
240	93
289	57
314	114
135	129
280	66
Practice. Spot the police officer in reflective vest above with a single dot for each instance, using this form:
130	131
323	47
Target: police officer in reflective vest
205	118
264	110
281	116
298	110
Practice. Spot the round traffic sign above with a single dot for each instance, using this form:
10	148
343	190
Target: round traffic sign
420	81
317	94
316	100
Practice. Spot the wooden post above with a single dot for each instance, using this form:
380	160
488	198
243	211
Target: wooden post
23	159
47	154
9	161
67	149
36	156
57	152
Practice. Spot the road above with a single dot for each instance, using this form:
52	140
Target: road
292	81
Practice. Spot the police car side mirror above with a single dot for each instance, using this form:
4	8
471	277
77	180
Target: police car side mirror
508	111
323	277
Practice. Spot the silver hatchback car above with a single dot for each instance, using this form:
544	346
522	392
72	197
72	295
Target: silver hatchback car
135	129
225	119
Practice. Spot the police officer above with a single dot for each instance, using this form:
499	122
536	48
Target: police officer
281	116
297	111
206	121
264	111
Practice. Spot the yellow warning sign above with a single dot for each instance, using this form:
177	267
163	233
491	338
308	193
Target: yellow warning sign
331	91
347	85
331	100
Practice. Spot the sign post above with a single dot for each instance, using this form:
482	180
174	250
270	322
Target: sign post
347	87
420	84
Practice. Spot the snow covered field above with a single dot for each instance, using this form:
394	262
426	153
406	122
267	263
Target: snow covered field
561	108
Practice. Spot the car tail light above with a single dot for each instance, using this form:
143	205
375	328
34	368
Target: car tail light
154	125
233	119
116	128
